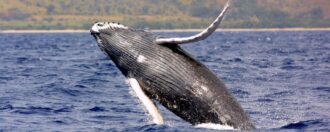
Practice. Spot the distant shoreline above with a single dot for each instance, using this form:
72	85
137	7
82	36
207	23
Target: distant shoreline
174	30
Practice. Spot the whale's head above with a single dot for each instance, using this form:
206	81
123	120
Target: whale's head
116	39
114	35
103	31
122	44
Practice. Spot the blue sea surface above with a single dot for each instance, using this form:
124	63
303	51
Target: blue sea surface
63	82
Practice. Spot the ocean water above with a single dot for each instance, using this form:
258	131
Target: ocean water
63	82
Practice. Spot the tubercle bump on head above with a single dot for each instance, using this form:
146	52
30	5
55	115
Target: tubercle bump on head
106	25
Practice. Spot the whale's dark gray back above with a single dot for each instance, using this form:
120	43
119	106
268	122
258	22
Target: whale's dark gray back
171	76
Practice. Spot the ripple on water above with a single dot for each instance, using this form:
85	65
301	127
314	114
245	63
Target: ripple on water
264	100
280	94
323	89
262	63
6	107
326	59
33	110
305	125
240	93
97	109
288	67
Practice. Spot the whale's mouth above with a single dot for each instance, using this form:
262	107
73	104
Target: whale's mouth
97	38
96	35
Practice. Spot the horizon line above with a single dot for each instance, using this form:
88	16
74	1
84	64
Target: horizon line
169	30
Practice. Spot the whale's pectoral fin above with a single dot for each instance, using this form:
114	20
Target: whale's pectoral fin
146	101
201	36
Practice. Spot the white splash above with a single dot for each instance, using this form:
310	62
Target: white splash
141	58
215	126
146	101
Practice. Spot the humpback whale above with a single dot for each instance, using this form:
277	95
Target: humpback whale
158	69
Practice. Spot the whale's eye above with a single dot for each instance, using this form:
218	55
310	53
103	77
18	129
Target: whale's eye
100	24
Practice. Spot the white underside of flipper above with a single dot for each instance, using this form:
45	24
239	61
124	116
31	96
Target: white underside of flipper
146	101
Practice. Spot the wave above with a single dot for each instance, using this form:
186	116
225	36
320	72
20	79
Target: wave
305	124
